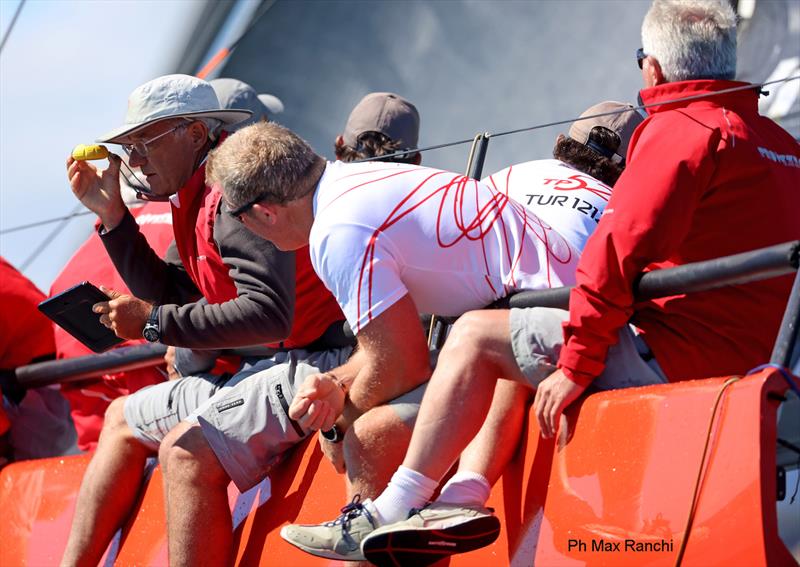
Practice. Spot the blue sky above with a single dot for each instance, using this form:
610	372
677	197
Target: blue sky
65	75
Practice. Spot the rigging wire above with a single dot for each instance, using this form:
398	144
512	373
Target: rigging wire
11	25
488	135
64	220
49	238
748	86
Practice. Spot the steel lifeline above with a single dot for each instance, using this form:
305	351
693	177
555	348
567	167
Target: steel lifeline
623	546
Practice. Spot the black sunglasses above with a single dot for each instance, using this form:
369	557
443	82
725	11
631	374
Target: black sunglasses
640	56
242	209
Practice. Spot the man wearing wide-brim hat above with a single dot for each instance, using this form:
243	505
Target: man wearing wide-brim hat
247	288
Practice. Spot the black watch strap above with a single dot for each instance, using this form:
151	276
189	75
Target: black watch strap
151	332
334	434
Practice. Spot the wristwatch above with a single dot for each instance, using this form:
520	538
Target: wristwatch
151	332
334	434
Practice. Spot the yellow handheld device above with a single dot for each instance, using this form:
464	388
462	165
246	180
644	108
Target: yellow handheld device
95	151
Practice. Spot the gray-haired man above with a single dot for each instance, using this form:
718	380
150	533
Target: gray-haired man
204	439
696	168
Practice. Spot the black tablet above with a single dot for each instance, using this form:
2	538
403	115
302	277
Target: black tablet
72	311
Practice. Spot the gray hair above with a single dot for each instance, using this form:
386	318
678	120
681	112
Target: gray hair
264	161
691	39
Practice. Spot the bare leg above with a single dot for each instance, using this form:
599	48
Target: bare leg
459	395
374	448
109	488
494	446
199	525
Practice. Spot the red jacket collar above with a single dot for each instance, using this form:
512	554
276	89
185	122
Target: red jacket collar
746	99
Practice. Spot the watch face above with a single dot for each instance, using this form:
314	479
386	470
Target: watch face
150	334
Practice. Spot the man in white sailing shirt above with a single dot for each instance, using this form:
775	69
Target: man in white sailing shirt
390	241
570	192
595	146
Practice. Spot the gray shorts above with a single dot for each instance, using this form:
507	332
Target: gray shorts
246	422
537	338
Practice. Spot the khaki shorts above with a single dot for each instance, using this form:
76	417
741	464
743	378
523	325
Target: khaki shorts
537	338
246	423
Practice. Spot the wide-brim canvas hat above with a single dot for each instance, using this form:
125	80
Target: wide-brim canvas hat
238	95
171	96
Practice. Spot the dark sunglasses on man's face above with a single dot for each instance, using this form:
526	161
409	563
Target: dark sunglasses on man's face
242	209
640	56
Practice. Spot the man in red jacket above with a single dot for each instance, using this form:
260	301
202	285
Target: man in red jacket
707	177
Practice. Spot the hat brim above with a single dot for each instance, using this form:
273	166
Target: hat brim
120	135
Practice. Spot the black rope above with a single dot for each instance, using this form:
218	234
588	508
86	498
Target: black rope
49	238
488	135
11	25
571	120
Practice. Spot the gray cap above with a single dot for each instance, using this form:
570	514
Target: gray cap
236	94
387	113
171	96
622	124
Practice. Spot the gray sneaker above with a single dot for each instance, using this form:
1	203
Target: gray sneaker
339	539
430	534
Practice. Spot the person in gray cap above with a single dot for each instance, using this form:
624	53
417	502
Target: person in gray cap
233	93
564	195
380	124
220	287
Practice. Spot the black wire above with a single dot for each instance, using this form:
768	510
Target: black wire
43	222
49	238
11	25
488	135
571	120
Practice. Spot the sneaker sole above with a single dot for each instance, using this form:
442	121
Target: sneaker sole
327	554
425	546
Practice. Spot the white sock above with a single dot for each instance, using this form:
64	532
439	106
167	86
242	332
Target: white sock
408	489
466	488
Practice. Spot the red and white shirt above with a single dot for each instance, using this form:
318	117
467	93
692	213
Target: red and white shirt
384	230
565	198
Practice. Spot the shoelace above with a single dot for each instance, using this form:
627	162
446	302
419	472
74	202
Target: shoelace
348	514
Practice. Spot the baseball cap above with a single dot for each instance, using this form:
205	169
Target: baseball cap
236	94
171	96
622	124
387	113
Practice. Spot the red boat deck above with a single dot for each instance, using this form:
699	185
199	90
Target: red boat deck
616	491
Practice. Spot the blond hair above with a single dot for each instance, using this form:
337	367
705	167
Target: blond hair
264	159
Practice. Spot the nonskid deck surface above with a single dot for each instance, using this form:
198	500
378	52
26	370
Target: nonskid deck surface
615	490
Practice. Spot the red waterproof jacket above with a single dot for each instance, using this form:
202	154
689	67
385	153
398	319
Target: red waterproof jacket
706	178
89	400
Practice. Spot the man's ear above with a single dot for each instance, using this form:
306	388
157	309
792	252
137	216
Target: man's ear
267	211
338	144
198	132
652	70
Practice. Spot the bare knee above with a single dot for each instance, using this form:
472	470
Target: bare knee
373	449
478	334
115	413
186	456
